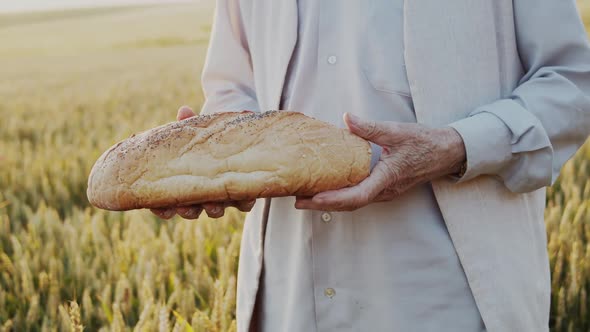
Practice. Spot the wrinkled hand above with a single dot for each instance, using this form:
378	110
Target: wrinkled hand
412	154
213	210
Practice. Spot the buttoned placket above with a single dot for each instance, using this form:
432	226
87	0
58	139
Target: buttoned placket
331	258
326	225
324	290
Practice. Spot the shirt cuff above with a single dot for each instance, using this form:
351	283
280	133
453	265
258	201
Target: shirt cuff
487	144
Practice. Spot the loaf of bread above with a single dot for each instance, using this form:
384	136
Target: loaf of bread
227	156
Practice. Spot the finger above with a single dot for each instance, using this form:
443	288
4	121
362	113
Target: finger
355	197
189	212
386	196
214	210
397	190
305	203
310	204
164	213
245	206
184	112
376	132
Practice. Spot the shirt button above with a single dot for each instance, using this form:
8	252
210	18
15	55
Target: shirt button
329	292
326	217
332	59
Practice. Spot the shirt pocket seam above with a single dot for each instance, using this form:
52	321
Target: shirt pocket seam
368	65
393	92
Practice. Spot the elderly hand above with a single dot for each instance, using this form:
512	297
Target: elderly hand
214	210
412	154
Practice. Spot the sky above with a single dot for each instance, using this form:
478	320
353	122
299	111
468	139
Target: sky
36	5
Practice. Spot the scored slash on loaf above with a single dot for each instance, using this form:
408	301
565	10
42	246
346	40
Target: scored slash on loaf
227	156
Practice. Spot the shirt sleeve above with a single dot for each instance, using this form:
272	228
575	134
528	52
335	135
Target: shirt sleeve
228	79
526	138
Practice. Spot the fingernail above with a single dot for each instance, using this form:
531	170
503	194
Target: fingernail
353	121
194	213
353	117
322	196
168	214
319	199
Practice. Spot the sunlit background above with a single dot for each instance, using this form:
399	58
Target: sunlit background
77	79
15	6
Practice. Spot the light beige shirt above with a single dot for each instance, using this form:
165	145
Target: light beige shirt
480	66
388	267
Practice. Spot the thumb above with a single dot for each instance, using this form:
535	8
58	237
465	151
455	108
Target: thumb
376	132
184	112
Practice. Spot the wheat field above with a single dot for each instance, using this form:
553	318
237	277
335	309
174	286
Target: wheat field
73	83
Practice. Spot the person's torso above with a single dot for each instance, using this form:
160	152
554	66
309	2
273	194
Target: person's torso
460	55
388	266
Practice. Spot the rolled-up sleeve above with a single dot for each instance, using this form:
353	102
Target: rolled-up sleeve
228	79
526	138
